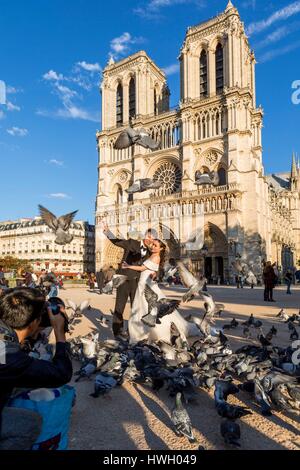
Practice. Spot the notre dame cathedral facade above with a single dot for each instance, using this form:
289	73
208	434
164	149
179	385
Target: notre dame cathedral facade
216	126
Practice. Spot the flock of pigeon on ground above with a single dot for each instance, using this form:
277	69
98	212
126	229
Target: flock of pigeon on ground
267	372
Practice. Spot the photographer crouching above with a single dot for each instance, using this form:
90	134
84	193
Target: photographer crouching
22	312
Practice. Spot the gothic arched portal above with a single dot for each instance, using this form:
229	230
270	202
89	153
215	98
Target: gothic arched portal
215	262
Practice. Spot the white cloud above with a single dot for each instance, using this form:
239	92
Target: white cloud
277	35
11	90
74	112
55	162
89	67
17	132
12	107
249	3
2	115
151	9
52	75
71	112
120	45
278	52
59	196
67	95
171	69
279	15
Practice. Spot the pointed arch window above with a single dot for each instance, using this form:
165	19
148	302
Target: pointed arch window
219	69
155	102
132	98
119	195
119	105
203	74
222	176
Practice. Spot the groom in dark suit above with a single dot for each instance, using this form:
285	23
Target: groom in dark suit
135	253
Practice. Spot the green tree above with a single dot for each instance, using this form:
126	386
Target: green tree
10	263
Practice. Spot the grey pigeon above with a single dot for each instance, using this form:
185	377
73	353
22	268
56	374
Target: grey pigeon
202	324
224	388
86	371
116	281
59	225
211	308
103	384
193	284
130	137
89	346
142	185
294	335
104	322
232	325
207	178
282	315
181	420
233	412
231	432
262	398
157	309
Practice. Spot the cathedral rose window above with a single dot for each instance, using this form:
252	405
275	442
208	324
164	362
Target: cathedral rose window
170	174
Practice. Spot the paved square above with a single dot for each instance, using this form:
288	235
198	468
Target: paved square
134	417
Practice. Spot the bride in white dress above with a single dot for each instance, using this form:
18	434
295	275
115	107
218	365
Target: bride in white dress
139	331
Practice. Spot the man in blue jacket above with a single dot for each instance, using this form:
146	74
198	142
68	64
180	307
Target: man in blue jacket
21	311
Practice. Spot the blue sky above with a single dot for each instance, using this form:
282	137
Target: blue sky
51	56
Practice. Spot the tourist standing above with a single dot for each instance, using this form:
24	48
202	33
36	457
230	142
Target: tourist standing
288	280
100	276
269	281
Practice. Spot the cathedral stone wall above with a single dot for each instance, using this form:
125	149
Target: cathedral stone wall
216	126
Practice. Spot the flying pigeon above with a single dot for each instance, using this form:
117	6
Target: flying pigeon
59	225
142	185
130	137
207	178
116	281
211	308
157	309
190	281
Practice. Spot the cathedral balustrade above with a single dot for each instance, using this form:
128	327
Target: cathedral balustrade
170	207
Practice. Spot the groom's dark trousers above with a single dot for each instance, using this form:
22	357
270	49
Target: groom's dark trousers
132	255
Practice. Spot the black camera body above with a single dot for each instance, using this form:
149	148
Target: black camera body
55	304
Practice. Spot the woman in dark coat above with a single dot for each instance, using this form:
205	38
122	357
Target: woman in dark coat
269	281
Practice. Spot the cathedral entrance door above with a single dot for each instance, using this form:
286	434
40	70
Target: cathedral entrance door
220	268
208	268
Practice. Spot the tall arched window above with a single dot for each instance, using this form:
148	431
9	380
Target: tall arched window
219	69
119	195
132	98
119	105
203	74
222	176
155	102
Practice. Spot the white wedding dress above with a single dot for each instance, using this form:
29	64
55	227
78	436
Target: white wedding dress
138	331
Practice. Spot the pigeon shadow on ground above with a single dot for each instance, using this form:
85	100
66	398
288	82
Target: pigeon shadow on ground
109	429
277	419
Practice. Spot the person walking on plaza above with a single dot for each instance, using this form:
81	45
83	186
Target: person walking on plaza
269	281
92	280
288	280
100	276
